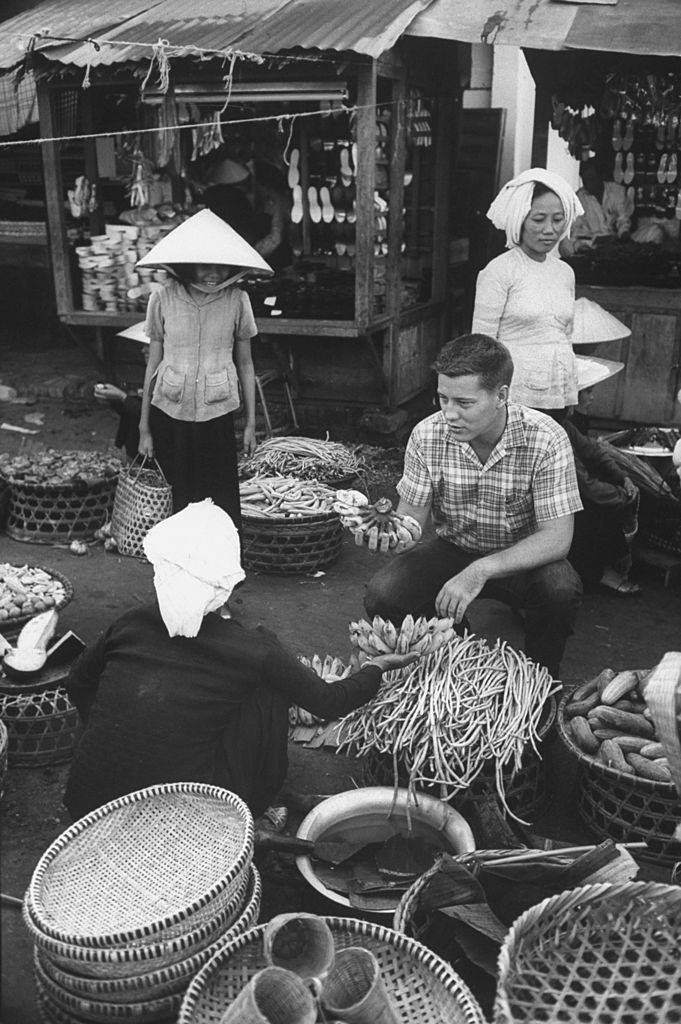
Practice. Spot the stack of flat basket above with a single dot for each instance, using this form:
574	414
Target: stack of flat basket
130	902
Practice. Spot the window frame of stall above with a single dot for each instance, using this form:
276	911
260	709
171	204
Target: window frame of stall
399	343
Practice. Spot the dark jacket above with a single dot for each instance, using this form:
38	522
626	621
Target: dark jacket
213	708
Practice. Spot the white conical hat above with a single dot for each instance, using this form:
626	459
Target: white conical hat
205	238
591	370
594	324
135	332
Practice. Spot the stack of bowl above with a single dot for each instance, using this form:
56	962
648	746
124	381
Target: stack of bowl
110	281
130	902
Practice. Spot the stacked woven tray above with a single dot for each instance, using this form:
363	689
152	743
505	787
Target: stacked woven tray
130	902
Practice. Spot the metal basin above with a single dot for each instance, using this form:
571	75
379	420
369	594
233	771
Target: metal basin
363	815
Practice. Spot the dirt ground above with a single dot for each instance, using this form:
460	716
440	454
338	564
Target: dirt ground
310	614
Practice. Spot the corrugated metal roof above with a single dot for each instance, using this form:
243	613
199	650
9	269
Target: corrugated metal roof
257	26
71	18
629	26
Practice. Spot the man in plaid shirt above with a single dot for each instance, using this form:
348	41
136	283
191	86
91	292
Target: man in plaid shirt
500	485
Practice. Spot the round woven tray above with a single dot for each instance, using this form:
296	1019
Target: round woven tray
600	953
95	1011
424	988
41	726
137	957
526	790
43	514
625	807
166	979
8	627
148	861
288	546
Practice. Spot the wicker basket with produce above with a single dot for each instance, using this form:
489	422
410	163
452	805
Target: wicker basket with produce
289	525
626	790
59	496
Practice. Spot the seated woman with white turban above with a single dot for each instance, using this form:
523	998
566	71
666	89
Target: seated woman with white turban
525	298
180	692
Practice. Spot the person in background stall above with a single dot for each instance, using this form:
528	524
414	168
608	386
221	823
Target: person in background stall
179	690
525	298
200	367
128	404
499	482
608	209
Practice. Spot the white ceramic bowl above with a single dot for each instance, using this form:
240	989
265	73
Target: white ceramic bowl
363	815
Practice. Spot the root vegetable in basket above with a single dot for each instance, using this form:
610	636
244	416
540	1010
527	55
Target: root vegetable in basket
603	730
26	590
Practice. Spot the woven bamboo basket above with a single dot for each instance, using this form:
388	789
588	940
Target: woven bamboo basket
143	498
137	957
423	987
626	807
605	953
45	514
4	744
150	860
526	789
165	979
41	727
285	547
11	626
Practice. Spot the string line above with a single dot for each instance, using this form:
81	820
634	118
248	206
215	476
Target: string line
202	124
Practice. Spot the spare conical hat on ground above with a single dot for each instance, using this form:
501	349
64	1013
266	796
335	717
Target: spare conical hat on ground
205	238
591	370
593	324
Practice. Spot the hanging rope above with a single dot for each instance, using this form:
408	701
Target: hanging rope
159	56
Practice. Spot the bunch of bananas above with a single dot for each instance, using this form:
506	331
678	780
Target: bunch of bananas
378	525
381	637
330	669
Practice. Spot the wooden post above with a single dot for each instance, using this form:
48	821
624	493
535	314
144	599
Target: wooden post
396	232
54	203
365	182
445	132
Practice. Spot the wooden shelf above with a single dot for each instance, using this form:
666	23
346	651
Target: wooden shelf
266	325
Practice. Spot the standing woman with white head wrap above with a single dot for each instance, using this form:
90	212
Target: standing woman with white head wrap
525	297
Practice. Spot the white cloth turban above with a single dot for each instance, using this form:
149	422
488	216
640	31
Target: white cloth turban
196	557
512	205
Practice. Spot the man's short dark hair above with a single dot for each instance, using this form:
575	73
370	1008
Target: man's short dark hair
476	355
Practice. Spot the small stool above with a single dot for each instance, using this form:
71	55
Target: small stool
261	382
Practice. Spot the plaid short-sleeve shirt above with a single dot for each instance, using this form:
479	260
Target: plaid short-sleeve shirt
529	478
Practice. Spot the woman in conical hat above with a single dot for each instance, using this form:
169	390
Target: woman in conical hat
525	298
200	367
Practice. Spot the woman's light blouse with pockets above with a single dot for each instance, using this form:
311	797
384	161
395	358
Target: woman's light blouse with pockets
529	306
196	379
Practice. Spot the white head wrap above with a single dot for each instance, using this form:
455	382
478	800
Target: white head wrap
197	563
512	205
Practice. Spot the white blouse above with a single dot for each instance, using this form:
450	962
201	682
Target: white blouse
529	306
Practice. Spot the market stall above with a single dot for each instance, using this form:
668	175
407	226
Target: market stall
347	157
620	118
